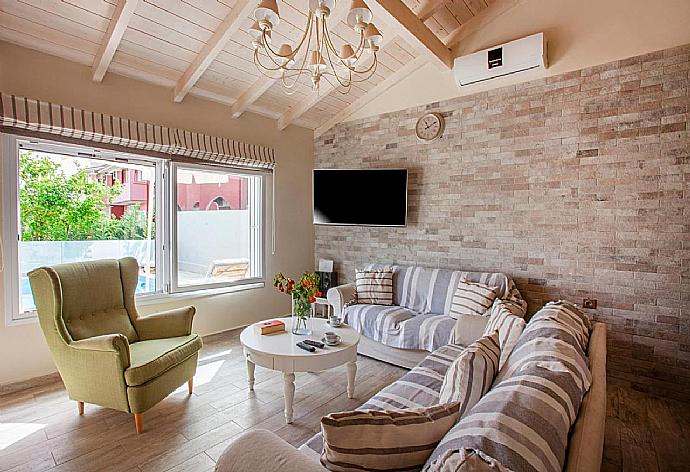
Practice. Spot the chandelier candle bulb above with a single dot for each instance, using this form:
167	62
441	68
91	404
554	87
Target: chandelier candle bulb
373	35
359	14
267	14
347	54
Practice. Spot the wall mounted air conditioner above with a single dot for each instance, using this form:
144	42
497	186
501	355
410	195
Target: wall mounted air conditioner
509	58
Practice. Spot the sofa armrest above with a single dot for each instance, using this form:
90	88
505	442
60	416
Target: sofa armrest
586	444
339	296
115	344
260	450
166	324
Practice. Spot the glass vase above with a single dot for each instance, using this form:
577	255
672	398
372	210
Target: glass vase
301	315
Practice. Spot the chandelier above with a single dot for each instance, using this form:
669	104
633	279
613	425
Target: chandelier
315	54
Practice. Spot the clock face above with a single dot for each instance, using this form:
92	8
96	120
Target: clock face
430	126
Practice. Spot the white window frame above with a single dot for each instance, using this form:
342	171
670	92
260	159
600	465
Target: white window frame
165	242
256	216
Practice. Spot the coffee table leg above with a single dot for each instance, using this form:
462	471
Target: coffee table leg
289	391
351	372
250	374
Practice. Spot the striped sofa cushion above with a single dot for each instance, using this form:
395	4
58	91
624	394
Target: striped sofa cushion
431	290
374	287
470	376
400	327
508	326
389	440
417	388
471	298
523	422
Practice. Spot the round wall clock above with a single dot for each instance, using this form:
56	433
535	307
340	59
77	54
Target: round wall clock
430	126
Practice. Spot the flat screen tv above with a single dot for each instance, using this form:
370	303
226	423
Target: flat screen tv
367	197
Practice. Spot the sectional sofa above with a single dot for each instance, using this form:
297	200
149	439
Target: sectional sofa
551	391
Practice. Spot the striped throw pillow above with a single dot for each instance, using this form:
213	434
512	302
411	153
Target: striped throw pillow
471	298
508	326
470	376
374	287
384	440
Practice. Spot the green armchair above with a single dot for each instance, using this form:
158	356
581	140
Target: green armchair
106	353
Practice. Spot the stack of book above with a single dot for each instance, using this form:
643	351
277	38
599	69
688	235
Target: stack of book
270	327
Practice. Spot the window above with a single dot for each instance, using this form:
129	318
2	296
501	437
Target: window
220	244
202	230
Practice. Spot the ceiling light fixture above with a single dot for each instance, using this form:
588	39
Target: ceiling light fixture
315	55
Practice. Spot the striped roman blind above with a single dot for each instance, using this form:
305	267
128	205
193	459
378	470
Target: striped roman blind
28	117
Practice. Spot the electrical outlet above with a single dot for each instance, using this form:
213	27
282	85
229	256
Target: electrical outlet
590	303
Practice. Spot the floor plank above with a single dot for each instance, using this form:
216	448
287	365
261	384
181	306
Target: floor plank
189	433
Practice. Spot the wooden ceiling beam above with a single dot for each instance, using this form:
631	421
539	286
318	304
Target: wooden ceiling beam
113	35
477	22
230	25
295	112
373	93
413	30
251	95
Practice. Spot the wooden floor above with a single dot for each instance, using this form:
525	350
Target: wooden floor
41	430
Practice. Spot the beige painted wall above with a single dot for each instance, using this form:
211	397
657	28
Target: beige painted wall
580	33
33	74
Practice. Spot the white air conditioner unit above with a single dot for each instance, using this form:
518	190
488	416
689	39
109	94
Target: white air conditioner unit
509	58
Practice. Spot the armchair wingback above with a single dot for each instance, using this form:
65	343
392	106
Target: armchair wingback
106	353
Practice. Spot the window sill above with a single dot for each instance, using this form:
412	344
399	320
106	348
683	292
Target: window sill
160	298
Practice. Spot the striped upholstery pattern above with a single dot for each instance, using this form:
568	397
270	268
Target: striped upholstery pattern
400	327
390	440
374	287
24	116
508	326
471	298
431	290
524	420
470	376
419	387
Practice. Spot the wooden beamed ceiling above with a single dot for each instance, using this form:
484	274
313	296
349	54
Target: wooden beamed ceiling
203	47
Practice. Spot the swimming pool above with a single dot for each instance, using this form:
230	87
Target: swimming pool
28	299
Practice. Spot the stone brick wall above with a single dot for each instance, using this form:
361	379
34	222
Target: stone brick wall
576	185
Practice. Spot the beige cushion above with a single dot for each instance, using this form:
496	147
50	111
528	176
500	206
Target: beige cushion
149	359
470	376
374	287
468	329
472	298
508	326
260	450
384	440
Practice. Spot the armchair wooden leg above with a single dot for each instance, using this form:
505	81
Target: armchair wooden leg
190	385
139	422
81	407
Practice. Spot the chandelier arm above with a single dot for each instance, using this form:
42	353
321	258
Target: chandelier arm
335	73
299	70
262	67
368	69
345	90
294	51
371	73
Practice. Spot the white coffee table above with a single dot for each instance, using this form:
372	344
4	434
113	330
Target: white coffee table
279	352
